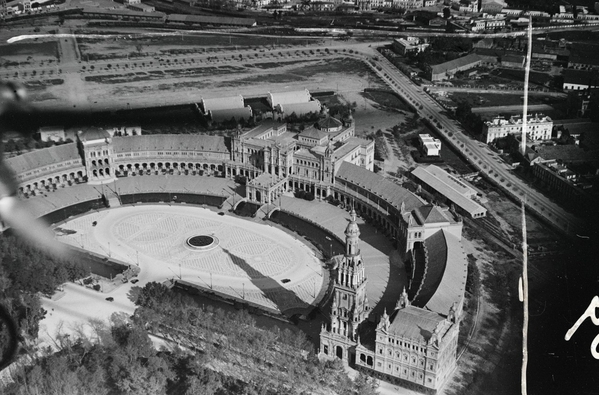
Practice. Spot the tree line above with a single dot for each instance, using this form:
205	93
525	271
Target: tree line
219	353
20	145
25	274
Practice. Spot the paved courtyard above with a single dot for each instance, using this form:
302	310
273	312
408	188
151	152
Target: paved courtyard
254	262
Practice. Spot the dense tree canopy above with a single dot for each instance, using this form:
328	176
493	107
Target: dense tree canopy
26	272
119	358
471	121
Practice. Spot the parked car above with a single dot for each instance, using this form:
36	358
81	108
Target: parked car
110	299
134	281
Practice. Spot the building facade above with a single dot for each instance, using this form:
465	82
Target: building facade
429	145
407	45
558	177
539	128
413	346
446	70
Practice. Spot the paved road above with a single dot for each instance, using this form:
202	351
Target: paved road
475	151
451	130
495	91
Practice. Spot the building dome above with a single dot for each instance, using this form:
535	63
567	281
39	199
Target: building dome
352	228
330	124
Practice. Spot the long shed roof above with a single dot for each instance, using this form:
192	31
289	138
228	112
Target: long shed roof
455	64
378	185
223	103
449	187
158	142
43	157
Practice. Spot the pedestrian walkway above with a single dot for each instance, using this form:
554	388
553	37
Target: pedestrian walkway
384	268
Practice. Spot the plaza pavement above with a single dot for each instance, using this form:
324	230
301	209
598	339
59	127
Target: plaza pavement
78	305
250	262
384	268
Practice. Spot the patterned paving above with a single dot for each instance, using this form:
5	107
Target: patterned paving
250	262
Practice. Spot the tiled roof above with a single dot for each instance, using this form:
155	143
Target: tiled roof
172	142
43	157
329	123
312	132
445	279
580	77
223	103
93	133
456	63
263	128
414	323
584	53
378	185
304	153
513	58
349	145
430	214
578	126
566	153
456	192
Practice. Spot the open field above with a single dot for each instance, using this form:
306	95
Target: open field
178	85
28	53
386	99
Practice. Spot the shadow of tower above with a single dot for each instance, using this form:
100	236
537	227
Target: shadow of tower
284	299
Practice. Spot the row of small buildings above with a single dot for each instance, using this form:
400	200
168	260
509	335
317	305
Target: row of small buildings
280	105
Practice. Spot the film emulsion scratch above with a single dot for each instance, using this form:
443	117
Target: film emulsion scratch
306	196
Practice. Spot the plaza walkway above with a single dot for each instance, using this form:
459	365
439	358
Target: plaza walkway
384	268
252	261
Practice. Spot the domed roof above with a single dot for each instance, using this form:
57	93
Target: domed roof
352	228
329	123
93	133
